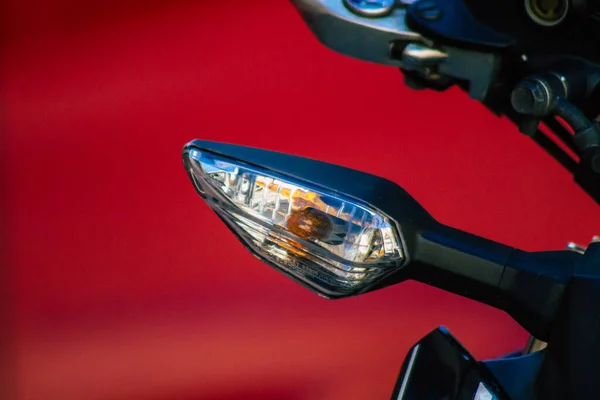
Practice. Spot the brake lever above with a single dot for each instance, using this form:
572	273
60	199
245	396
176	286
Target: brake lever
378	33
339	25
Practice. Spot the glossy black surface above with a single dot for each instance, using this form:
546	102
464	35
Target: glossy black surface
517	374
438	367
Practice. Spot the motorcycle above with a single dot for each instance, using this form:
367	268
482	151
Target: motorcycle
342	232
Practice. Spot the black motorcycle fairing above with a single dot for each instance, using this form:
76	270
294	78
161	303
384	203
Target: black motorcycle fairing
438	367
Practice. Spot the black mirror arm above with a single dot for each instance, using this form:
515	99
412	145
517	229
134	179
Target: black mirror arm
529	286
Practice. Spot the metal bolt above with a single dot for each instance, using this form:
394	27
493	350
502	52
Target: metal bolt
370	8
530	97
428	10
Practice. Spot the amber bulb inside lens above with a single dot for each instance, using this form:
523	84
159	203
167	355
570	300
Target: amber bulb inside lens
310	224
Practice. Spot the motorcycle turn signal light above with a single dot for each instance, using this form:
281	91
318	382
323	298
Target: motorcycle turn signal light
334	244
343	232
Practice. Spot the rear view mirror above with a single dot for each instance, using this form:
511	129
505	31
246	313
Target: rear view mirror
342	232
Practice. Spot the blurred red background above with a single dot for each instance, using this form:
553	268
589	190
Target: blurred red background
122	283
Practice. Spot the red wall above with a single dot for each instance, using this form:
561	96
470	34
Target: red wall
126	286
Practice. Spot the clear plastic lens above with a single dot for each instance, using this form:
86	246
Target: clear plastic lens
328	241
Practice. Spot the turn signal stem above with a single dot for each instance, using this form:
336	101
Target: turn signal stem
527	285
